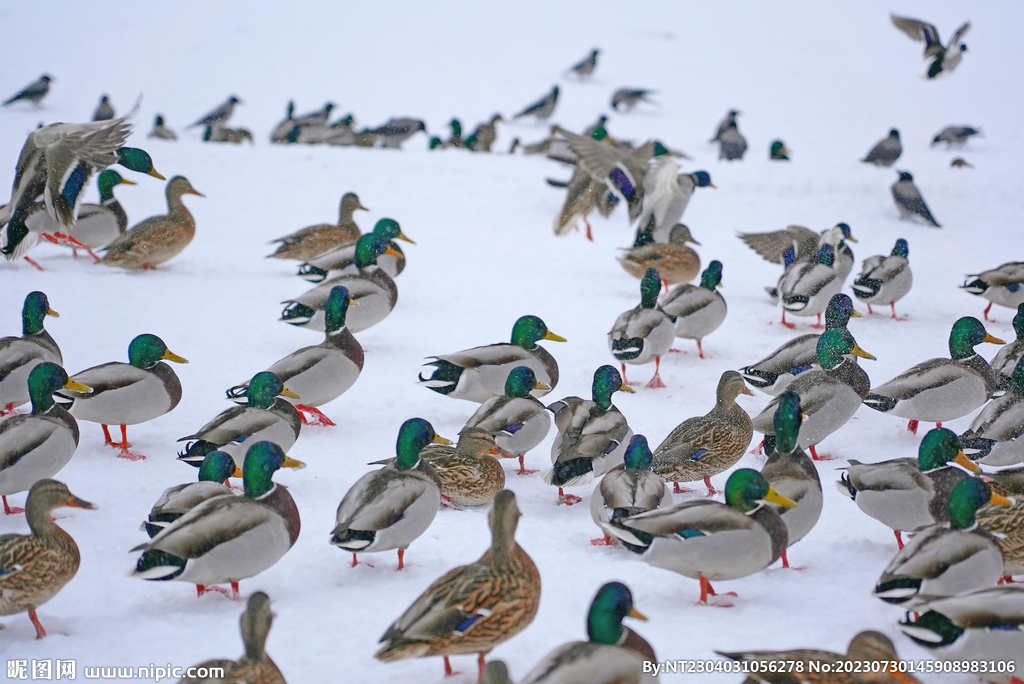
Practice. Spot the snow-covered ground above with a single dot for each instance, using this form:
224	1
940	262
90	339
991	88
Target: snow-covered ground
829	80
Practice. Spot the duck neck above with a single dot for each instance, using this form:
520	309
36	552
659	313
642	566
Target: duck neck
37	514
176	207
604	628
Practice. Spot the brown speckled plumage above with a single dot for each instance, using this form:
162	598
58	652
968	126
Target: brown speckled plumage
469	473
307	243
676	263
1008	521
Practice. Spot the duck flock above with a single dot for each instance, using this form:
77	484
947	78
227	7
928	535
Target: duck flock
644	414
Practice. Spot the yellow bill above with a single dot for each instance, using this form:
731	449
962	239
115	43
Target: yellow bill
776	498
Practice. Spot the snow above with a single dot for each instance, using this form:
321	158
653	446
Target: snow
829	80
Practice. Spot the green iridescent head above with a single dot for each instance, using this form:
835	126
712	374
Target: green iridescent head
264	389
34	311
834	345
966	333
965	499
599	132
838	312
134	159
368	248
434	143
659	149
336	309
217	467
43	382
107	180
456	128
414	434
712	276
901	249
389	230
650	286
778	148
638	454
520	382
607	382
938	449
788	418
827	255
610	606
262	460
529	330
146	350
745	488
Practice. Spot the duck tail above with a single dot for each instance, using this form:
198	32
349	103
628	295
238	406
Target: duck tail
158	565
297	314
311	273
880	402
845	487
444	379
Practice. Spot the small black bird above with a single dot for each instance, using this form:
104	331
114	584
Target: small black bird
946	58
729	120
629	97
543	108
587	65
955	135
731	144
104	110
887	151
35	92
909	201
220	115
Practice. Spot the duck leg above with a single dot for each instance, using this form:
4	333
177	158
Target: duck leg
567	499
72	241
624	380
894	316
758	450
448	671
7	410
123	446
984	313
899	538
590	236
711	489
448	503
202	589
707	590
316	416
912	426
607	541
522	467
818	325
355	562
870	312
107	440
9	510
33	262
788	325
655	382
40	630
401	559
785	563
481	665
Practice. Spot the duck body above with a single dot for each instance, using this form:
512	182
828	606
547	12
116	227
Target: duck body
885	279
178	500
676	263
1007	358
806	287
469	473
19	355
698	309
308	242
627	490
371	288
341	260
666	195
1003	285
645	332
517	421
161	131
996	435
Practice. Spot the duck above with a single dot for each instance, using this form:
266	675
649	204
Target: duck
37	445
906	494
320	373
946	57
97	225
625	490
228	538
396	131
308	242
456	139
518	421
1003	522
158	238
792	474
484	136
707	540
995	435
471	608
341	259
666	195
955	135
1000	285
908	199
960	163
778	151
391	507
939	390
644	332
220	115
178	500
479	374
34	567
104	110
982	626
829	397
264	417
19	355
704	446
676	263
373	290
612	654
580	200
947	558
161	131
592	435
805	244
773	373
698	309
1006	358
806	287
34	92
885	279
128	393
543	108
867	647
731	143
886	151
255	666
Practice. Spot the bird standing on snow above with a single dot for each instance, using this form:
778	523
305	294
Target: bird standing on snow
885	279
645	332
729	120
34	92
887	151
586	66
161	131
629	97
731	144
396	131
909	201
955	135
220	115
543	108
946	58
104	110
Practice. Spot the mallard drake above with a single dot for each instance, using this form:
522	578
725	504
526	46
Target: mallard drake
1006	358
161	131
321	373
625	490
865	650
34	567
158	238
307	243
983	626
263	418
948	558
707	445
612	654
518	421
256	666
1000	285
471	608
97	225
885	279
792	474
886	151
480	373
707	540
543	108
698	309
391	507
906	494
220	115
37	445
178	500
946	57
128	393
19	355
731	143
676	263
778	151
372	288
592	435
806	287
34	92
341	259
396	131
938	390
828	397
773	373
995	435
228	538
909	201
644	332
666	195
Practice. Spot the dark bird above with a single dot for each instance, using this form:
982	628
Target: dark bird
909	201
946	58
396	131
34	92
104	110
729	120
160	130
630	97
587	65
731	144
886	151
960	163
220	115
955	135
317	118
543	108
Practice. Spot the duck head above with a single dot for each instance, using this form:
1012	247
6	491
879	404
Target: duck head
712	276
746	489
901	249
107	181
336	308
839	310
939	448
967	497
262	460
521	381
638	453
835	345
607	381
610	606
34	311
414	434
529	330
134	159
218	466
264	388
966	333
45	380
146	350
369	247
390	230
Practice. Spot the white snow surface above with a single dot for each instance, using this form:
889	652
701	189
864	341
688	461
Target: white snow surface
828	79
